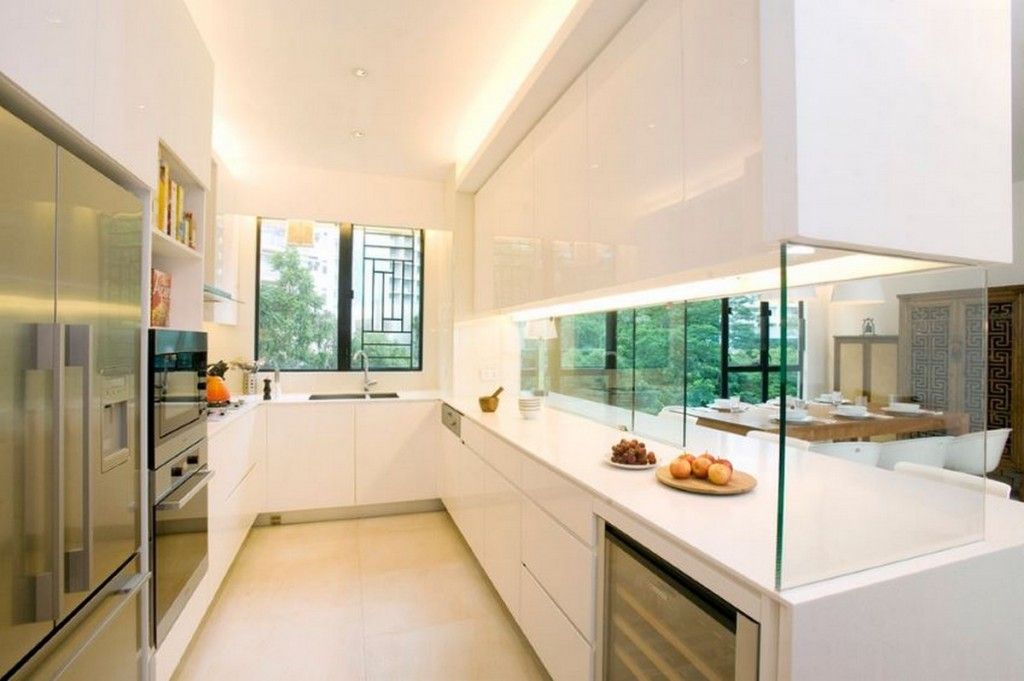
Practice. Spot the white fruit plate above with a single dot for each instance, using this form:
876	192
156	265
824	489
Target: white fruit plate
632	466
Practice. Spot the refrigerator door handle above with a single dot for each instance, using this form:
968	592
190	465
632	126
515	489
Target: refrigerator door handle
49	358
78	354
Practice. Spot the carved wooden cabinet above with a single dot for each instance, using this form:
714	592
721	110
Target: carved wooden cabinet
866	366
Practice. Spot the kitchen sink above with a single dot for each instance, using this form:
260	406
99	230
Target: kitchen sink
352	396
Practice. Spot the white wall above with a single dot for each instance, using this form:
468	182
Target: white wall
231	342
326	194
487	356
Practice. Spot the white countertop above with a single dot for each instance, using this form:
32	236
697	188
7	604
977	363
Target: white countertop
215	422
842	520
841	517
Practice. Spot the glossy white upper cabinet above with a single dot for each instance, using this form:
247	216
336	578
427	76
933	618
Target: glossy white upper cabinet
721	193
649	164
125	74
560	196
49	49
635	145
485	230
518	264
398	454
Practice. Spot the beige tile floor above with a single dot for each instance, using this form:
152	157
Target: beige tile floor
397	597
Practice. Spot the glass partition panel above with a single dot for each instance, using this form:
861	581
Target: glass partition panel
583	364
660	367
851	386
883	455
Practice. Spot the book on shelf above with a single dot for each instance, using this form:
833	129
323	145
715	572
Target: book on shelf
159	298
163	188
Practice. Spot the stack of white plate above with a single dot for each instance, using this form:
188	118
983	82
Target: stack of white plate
529	406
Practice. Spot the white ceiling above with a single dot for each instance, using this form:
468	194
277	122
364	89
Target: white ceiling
440	73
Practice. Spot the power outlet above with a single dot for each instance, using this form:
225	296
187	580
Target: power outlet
489	374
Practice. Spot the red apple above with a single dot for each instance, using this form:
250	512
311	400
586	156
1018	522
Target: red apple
700	466
680	469
719	473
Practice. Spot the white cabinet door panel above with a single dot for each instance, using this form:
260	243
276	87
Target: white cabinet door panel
560	196
635	141
397	451
571	505
565	654
502	539
563	566
505	458
311	456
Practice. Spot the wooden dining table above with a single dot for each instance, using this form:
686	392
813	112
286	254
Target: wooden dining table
827	426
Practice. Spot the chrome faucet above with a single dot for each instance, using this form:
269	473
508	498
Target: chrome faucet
367	383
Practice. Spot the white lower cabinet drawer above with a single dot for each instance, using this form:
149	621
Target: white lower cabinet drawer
562	499
566	655
562	564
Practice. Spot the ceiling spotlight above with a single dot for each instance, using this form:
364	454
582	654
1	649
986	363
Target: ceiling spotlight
358	134
360	72
799	249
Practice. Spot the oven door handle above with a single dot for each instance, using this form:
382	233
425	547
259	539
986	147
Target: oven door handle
180	497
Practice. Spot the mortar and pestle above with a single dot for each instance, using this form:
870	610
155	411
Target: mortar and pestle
489	403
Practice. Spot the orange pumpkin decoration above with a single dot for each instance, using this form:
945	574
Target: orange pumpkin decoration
217	390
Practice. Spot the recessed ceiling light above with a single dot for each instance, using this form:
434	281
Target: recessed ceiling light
360	72
358	134
799	249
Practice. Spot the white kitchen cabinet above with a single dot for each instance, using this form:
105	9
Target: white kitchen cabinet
562	565
509	247
485	230
562	499
635	149
49	49
472	492
565	653
397	451
449	483
125	74
572	261
502	538
310	456
502	456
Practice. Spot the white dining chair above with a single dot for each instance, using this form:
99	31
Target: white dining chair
965	480
866	453
774	437
968	452
927	451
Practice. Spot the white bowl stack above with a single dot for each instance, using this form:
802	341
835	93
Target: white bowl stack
529	406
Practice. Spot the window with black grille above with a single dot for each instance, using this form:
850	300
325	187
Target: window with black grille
326	291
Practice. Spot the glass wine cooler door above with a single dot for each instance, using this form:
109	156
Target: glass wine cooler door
660	624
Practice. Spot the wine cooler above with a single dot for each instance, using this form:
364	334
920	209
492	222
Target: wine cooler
660	624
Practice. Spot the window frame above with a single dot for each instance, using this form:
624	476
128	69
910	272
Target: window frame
764	368
344	340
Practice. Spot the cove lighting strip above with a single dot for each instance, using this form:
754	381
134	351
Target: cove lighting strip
832	270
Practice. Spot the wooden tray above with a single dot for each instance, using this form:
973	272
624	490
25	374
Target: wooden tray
741	482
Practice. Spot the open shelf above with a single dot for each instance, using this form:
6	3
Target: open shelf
168	247
181	261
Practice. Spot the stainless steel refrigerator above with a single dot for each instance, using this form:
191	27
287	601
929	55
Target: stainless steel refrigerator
70	316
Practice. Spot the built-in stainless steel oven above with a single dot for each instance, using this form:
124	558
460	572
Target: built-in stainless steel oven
179	533
179	475
177	381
